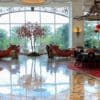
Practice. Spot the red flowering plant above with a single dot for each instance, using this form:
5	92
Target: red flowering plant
31	32
98	27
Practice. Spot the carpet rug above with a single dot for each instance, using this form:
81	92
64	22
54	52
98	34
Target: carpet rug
86	70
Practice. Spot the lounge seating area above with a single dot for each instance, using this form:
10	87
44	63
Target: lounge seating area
50	50
12	51
83	58
87	58
55	51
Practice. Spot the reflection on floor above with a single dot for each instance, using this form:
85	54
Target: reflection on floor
40	78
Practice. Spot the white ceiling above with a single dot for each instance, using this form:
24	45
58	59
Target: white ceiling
86	4
52	3
47	3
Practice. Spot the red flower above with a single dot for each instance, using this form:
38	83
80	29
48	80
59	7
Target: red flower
98	26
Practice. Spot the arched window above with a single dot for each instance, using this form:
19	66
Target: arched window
54	20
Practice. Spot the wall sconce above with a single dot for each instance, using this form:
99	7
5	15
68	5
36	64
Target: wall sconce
77	30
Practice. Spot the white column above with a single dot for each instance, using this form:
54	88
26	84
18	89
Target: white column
77	11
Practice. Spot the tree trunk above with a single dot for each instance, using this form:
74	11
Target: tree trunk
31	44
34	43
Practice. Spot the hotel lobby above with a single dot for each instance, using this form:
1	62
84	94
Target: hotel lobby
44	46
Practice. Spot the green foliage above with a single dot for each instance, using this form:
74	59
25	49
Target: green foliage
47	38
60	37
90	37
4	40
64	38
15	39
14	36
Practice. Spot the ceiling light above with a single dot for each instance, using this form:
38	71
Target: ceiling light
33	1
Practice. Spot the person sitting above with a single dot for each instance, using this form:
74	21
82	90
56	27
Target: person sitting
78	59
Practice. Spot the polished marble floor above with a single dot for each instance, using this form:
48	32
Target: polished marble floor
40	78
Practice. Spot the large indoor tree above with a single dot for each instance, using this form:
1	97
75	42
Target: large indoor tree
32	32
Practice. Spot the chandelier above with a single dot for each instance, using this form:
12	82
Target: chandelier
93	14
33	1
